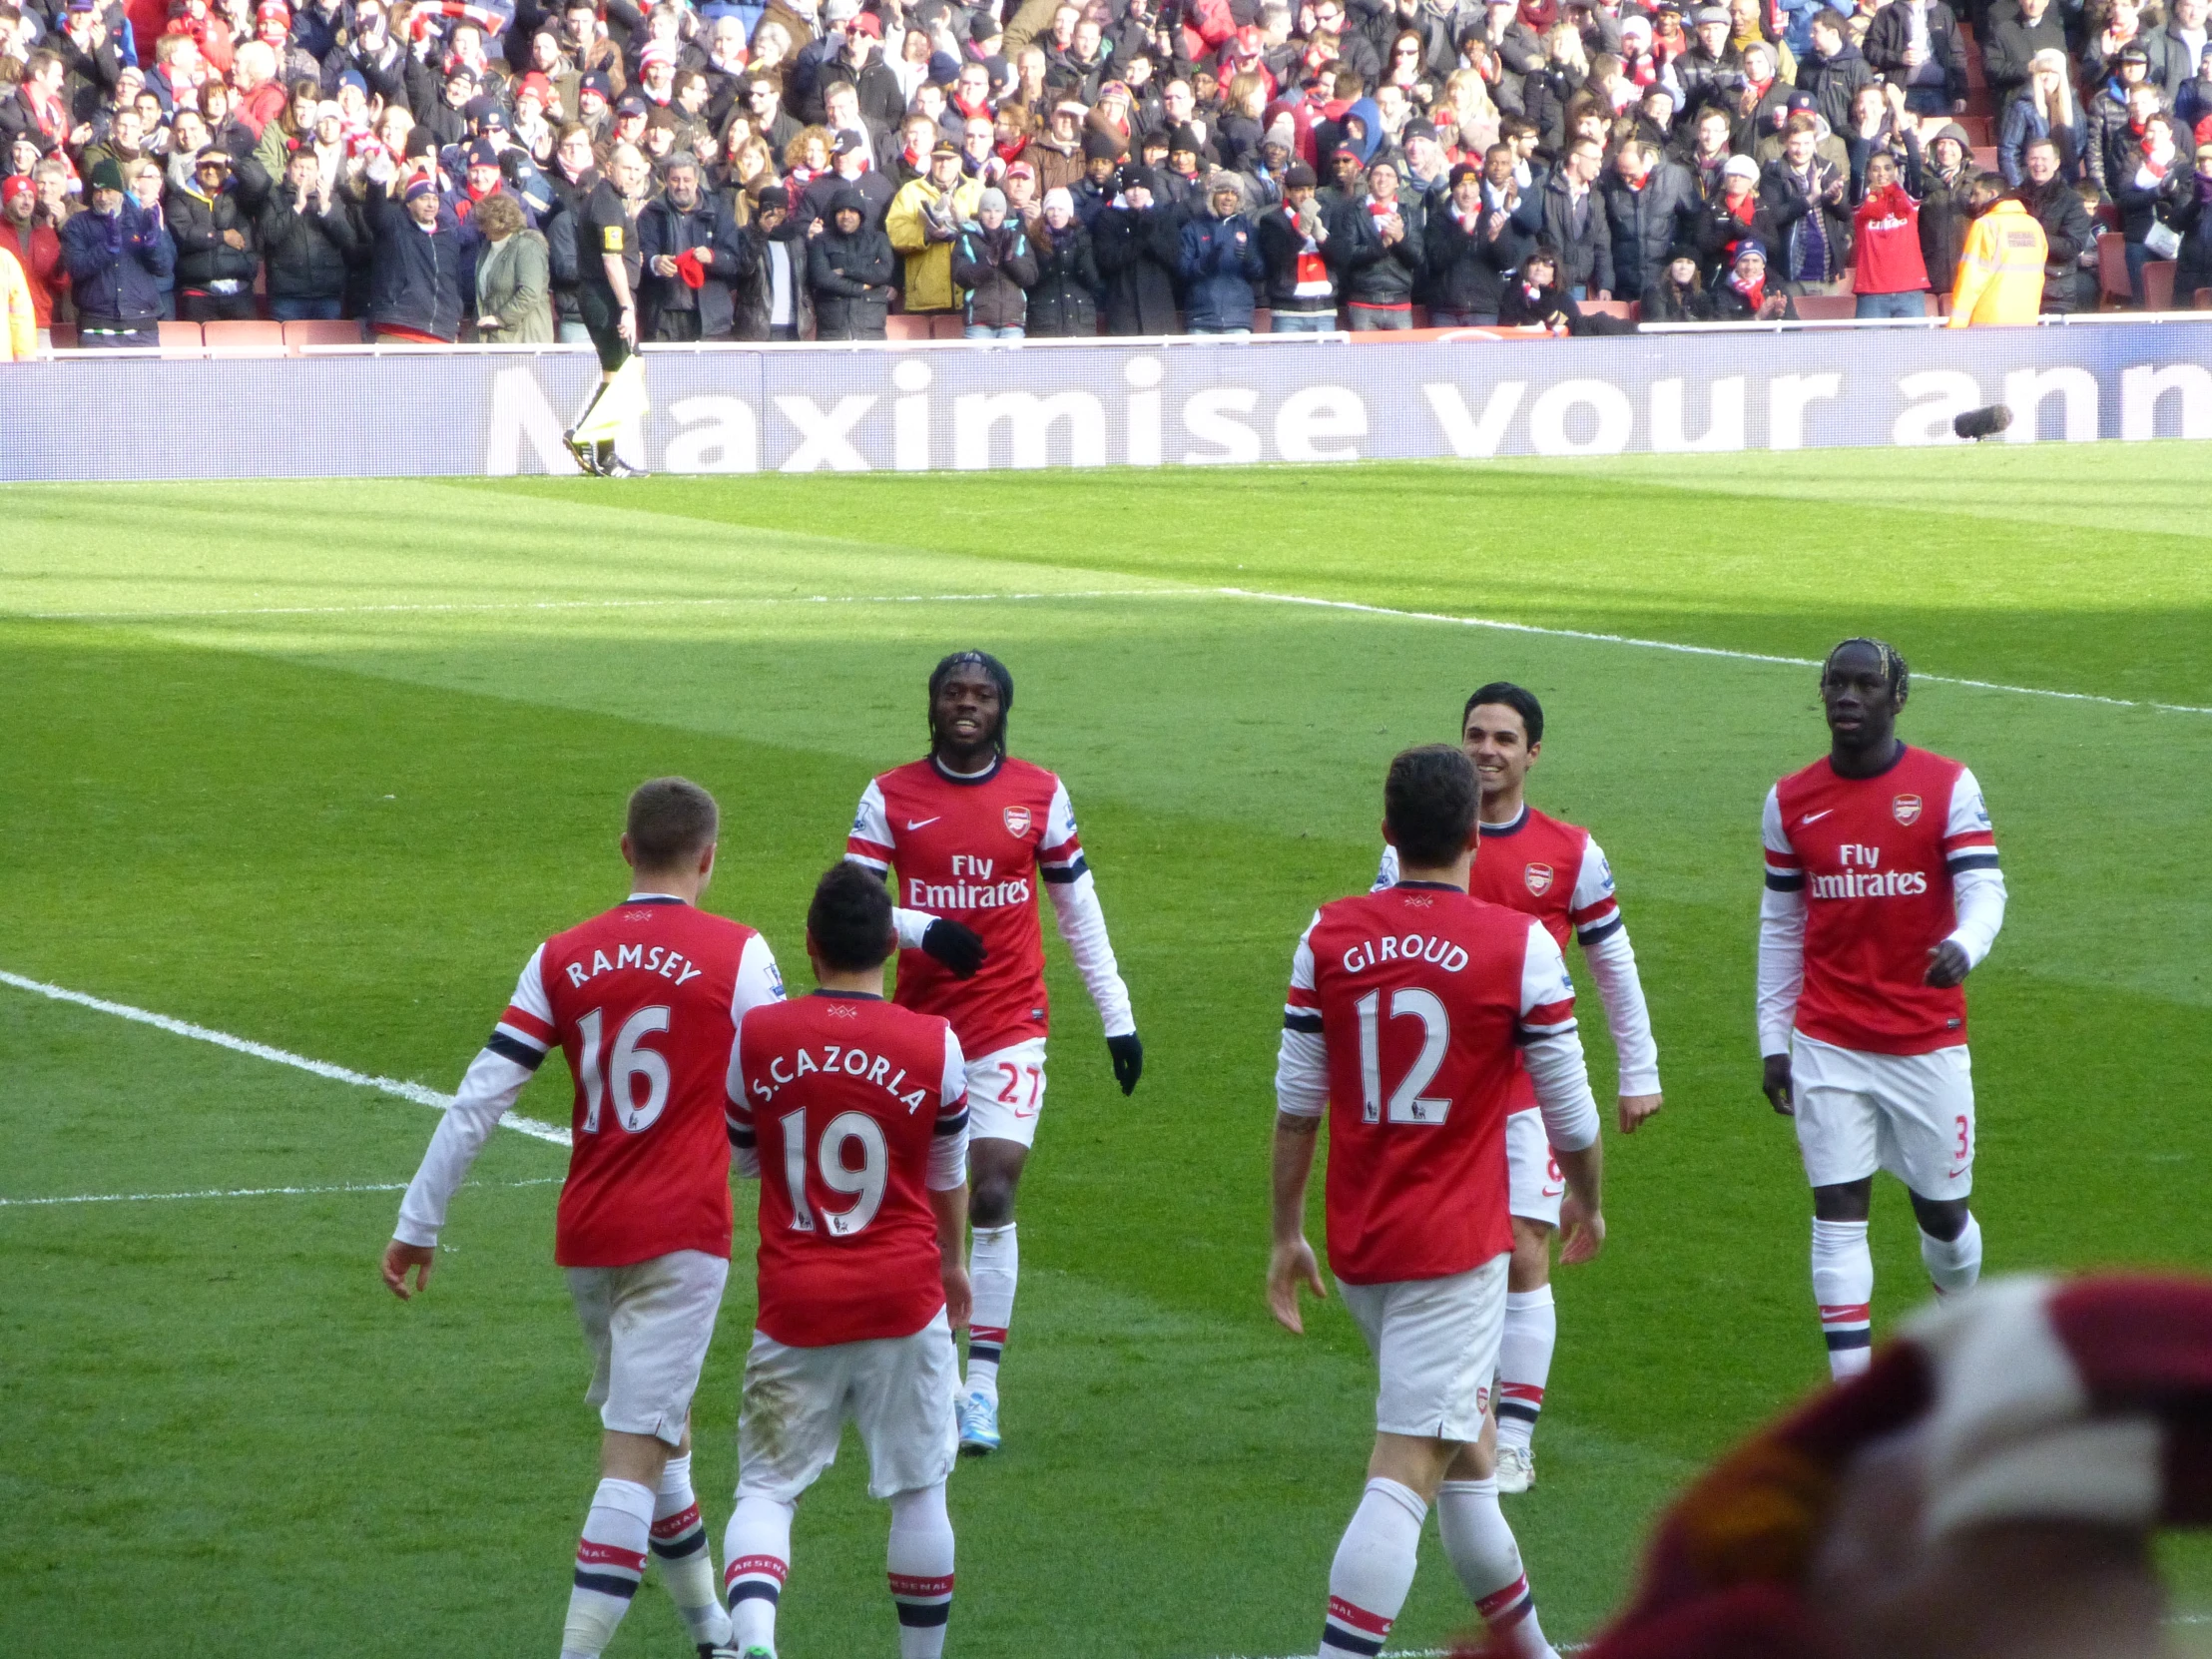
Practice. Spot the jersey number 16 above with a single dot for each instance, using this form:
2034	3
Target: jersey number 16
624	1065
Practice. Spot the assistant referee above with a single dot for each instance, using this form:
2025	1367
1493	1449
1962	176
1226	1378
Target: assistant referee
606	299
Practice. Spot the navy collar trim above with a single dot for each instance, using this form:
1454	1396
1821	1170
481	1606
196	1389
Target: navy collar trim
951	777
1520	823
845	996
1432	887
654	898
1894	761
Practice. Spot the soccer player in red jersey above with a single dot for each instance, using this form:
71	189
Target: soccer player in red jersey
644	1001
1883	893
852	1112
1406	1009
971	831
1555	871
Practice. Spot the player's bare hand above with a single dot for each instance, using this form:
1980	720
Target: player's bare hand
959	1297
1637	1107
1582	1231
1775	1084
1288	1267
958	947
398	1257
1946	966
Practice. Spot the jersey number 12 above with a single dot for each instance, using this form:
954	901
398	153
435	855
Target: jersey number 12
1407	1104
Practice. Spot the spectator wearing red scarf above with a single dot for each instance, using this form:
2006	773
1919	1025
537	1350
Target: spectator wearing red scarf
37	248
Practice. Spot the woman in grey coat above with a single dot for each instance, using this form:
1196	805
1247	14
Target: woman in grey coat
512	277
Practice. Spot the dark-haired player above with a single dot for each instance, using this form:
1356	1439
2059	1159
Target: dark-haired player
644	1001
972	833
1555	871
1883	893
852	1113
1411	1010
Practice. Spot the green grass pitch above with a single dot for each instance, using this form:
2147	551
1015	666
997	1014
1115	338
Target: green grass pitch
318	765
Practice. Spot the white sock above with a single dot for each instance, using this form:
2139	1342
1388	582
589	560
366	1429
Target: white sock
994	1266
920	1568
1524	1363
1488	1562
610	1560
1372	1570
756	1550
687	1564
1953	1264
1842	1285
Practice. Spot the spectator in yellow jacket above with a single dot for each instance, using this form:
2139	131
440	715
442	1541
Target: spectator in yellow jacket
15	303
2000	271
925	220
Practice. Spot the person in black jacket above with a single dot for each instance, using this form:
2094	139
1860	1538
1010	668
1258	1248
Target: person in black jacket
773	301
217	251
849	268
1933	70
1738	212
1534	298
2068	231
992	259
1063	303
1576	224
1377	246
1139	245
307	234
1302	288
1679	295
1478	240
1746	294
118	261
414	283
686	219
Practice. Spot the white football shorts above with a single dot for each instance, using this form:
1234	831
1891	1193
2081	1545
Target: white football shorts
1436	1344
1910	1114
1534	1184
648	1327
1005	1093
899	1391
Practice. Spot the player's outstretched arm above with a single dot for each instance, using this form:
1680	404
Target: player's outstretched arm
1291	1261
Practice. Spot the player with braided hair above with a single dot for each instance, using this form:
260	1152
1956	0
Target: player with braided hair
973	833
1883	893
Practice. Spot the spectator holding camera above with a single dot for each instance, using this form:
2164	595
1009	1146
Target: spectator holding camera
1064	301
36	248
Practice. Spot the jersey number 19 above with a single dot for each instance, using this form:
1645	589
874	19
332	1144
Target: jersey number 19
866	1183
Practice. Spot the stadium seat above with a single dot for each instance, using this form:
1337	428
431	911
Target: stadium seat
182	339
65	337
2106	213
245	339
2205	302
2158	284
1631	309
1980	128
1847	283
1986	157
1263	321
1934	305
1826	307
297	334
2113	282
908	328
948	325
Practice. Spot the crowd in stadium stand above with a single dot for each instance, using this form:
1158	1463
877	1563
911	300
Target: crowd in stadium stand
802	168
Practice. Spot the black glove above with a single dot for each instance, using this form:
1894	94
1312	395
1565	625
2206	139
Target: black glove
1128	1054
958	948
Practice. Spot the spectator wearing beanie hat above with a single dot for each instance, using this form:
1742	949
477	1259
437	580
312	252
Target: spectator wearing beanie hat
1739	211
1221	266
37	248
1139	247
414	293
1679	295
1476	237
772	298
1101	180
995	262
117	259
1063	301
1300	285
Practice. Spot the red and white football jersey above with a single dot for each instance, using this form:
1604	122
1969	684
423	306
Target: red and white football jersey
1544	868
852	1110
974	849
1420	995
644	1000
1875	858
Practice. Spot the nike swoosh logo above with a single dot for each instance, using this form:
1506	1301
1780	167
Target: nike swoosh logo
916	823
1809	818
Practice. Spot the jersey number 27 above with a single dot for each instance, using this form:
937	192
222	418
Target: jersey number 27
1407	1104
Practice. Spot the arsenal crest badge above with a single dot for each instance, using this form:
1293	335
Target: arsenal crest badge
1017	821
1907	807
1539	880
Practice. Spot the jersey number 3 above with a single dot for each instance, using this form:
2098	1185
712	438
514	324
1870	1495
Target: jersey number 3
1406	1103
624	1065
865	1183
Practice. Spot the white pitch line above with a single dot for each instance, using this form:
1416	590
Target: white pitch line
618	604
1688	650
253	1192
393	1086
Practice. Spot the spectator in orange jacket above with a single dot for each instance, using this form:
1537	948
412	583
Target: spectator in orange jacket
2000	273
